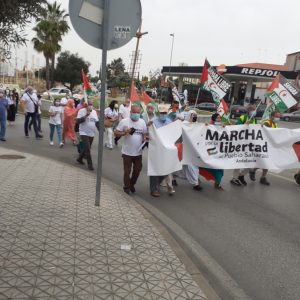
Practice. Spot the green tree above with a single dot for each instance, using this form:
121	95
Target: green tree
50	29
68	69
14	16
116	75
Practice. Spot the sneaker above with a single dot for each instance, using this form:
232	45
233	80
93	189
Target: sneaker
26	136
132	189
3	139
264	181
51	143
242	180
197	187
171	190
80	161
252	175
219	187
39	137
174	182
235	181
155	194
91	168
127	191
61	145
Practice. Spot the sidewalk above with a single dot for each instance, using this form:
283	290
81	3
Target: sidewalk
55	244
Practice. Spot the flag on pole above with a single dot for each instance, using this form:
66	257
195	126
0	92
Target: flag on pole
214	83
269	109
283	93
86	86
223	111
133	94
146	98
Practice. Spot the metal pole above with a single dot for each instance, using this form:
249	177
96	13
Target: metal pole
197	97
136	54
172	35
102	100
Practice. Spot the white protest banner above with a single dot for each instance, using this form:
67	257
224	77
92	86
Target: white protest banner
163	153
240	146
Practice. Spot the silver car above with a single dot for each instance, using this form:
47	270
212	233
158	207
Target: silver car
294	116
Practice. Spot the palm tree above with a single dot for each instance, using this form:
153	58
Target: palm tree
49	32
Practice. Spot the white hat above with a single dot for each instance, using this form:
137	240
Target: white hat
163	108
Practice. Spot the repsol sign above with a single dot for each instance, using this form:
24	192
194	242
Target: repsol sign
259	72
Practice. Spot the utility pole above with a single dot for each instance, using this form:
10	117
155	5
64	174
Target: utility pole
173	36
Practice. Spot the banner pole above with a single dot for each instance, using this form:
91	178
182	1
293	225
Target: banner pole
197	97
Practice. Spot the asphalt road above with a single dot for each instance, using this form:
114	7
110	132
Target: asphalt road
253	232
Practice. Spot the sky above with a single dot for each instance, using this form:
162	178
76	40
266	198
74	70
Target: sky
227	32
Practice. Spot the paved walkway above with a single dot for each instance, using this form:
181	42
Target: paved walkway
54	244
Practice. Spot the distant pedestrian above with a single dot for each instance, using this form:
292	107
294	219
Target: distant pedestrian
55	121
3	110
11	112
88	121
70	113
134	130
111	116
16	98
38	116
30	105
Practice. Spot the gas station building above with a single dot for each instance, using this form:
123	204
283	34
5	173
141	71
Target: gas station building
248	80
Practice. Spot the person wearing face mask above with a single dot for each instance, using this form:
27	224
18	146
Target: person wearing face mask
238	177
30	105
55	121
88	122
190	172
111	116
11	112
271	123
134	130
70	113
3	111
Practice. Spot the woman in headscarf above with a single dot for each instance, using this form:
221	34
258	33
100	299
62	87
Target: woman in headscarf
214	174
70	113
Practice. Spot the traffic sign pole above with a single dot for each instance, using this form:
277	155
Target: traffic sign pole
102	100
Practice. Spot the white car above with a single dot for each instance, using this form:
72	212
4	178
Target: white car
57	92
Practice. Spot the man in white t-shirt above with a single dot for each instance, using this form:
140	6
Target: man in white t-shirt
30	105
88	121
134	129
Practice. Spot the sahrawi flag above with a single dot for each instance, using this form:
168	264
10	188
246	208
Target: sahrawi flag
223	110
213	82
86	86
283	93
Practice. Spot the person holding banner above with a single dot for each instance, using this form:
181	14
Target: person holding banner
155	181
238	177
135	131
272	123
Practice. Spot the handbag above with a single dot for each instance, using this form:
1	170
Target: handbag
108	123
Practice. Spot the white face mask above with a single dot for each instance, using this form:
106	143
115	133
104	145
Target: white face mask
276	120
217	123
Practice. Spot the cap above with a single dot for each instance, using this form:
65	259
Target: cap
162	108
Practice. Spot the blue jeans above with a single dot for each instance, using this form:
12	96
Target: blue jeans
58	130
34	123
2	125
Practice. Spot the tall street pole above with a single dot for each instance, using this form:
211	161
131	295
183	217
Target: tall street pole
173	36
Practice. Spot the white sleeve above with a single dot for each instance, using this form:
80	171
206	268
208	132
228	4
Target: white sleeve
106	112
51	109
80	114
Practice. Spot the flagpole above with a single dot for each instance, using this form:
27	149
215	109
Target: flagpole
197	97
102	100
256	109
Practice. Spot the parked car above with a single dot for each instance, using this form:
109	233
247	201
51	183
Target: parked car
208	106
57	92
237	111
293	116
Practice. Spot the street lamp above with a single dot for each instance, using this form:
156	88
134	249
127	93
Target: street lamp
173	36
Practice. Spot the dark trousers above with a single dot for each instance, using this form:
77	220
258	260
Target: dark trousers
134	164
39	122
34	123
155	181
86	151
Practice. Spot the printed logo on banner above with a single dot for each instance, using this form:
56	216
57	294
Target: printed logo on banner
212	151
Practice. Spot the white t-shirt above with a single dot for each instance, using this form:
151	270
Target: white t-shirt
88	127
132	143
55	120
124	111
63	101
109	113
29	106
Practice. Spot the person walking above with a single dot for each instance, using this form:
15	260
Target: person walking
70	113
15	96
30	105
238	177
88	121
3	113
38	116
55	120
11	112
134	130
271	123
111	116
